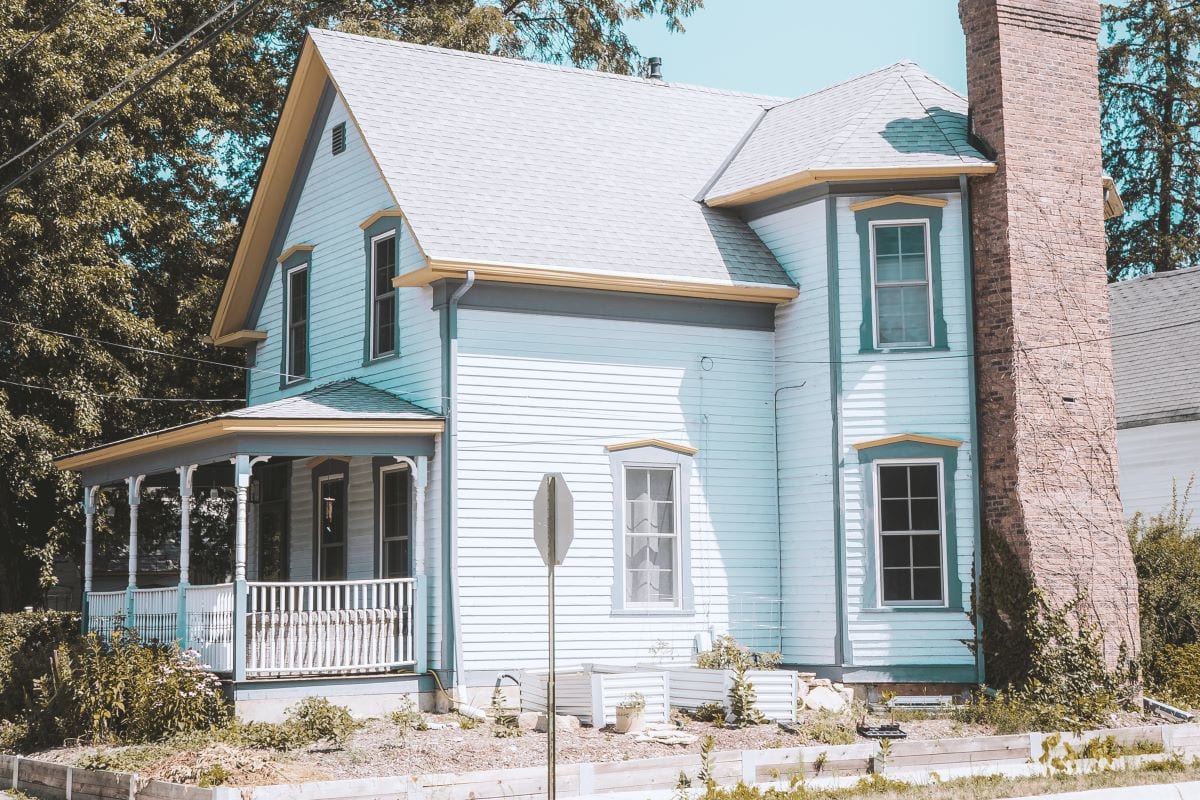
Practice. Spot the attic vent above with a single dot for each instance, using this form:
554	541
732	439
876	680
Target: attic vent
339	138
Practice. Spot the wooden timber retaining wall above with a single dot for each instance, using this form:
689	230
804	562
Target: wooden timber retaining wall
914	760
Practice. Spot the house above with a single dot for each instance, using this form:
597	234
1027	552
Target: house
1156	363
739	326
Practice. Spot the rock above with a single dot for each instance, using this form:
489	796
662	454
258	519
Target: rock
665	734
564	722
821	682
824	698
528	720
847	694
806	676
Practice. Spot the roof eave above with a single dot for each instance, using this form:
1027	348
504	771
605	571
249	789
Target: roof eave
801	180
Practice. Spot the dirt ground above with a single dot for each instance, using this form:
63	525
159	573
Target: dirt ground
380	748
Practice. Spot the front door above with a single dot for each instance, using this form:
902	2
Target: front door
331	528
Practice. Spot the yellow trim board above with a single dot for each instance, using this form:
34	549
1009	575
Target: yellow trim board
215	428
378	215
908	437
296	248
891	200
812	177
682	449
240	338
616	282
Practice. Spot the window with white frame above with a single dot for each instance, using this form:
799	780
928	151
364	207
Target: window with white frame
394	521
652	552
297	323
901	284
383	295
911	516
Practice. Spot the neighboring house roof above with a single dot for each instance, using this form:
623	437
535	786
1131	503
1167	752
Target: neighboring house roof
895	117
1156	347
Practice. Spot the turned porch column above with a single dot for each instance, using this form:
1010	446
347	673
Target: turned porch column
89	526
242	466
134	484
185	549
419	468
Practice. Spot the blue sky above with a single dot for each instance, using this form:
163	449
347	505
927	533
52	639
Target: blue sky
790	47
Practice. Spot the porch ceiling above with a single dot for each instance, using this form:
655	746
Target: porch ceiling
346	418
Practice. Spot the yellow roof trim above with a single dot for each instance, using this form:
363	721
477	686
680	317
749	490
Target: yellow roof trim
682	449
437	269
215	428
908	437
296	248
240	338
381	214
1114	206
891	200
812	177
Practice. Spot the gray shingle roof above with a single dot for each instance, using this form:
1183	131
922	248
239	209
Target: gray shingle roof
1156	347
500	160
348	399
898	116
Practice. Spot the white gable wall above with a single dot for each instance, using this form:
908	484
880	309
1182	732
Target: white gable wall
543	394
1155	458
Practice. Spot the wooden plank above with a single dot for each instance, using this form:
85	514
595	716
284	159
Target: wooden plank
162	790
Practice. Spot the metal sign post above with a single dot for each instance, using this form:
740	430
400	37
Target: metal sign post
553	530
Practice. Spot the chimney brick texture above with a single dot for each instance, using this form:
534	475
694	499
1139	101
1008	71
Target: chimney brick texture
1047	425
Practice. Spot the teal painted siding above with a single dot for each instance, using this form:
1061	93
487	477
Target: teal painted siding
890	393
338	194
805	428
547	393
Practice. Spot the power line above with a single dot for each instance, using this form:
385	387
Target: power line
46	28
123	397
114	89
208	39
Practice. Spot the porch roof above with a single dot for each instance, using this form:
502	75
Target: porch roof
343	418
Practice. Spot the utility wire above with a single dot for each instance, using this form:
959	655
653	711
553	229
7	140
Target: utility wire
123	397
46	28
114	89
103	119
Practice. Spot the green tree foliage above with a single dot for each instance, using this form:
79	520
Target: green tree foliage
1150	88
126	237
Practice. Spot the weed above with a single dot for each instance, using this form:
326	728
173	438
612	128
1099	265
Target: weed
505	723
408	717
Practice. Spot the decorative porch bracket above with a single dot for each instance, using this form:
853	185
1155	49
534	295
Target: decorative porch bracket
134	484
89	527
185	550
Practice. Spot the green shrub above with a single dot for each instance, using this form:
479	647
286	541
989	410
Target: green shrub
742	701
505	722
27	640
409	718
1177	673
827	727
709	712
726	653
315	719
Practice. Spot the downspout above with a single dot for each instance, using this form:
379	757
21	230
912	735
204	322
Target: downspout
779	505
973	389
453	639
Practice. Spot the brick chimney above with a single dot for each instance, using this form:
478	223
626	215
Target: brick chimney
1051	513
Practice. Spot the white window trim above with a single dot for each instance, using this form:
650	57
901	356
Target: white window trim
321	481
895	223
945	566
383	472
289	377
677	570
371	300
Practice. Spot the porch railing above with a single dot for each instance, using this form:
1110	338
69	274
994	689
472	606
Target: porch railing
156	614
340	627
106	612
210	631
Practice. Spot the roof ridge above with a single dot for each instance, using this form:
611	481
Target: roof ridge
846	133
1150	276
921	100
841	84
523	62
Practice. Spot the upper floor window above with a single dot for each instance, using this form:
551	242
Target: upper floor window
652	569
900	277
383	295
911	532
296	355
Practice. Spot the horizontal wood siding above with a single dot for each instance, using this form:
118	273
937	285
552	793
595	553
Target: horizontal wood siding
1153	460
805	428
544	393
339	193
891	393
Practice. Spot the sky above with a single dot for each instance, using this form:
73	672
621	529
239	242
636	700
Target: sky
791	47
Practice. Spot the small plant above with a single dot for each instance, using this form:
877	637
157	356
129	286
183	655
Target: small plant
710	712
316	719
505	723
826	727
467	723
742	700
707	763
885	756
408	717
634	701
819	762
726	653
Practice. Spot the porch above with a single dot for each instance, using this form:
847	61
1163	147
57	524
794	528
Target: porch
347	597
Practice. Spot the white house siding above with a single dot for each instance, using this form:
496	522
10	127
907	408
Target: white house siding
544	393
339	193
1154	459
888	394
797	238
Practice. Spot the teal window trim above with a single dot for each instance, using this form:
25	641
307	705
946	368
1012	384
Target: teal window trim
650	457
899	213
377	232
896	453
300	261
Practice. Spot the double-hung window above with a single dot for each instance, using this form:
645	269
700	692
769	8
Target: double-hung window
900	279
297	323
394	492
911	532
383	295
652	547
331	528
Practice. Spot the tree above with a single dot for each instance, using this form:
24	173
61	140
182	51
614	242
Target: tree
126	237
1150	90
